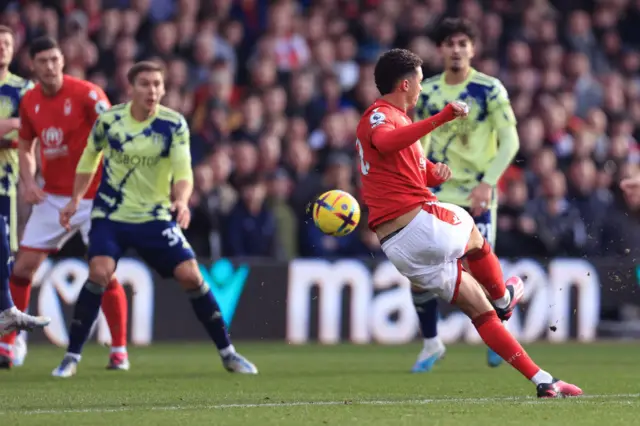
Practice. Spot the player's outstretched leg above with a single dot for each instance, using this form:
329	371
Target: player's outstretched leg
12	319
472	301
208	313
114	306
433	349
101	270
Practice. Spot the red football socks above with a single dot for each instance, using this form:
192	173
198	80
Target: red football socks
485	267
114	306
21	295
504	344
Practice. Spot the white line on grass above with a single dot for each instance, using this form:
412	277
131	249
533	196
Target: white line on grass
490	400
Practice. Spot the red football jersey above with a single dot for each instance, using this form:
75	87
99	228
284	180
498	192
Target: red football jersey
62	123
395	183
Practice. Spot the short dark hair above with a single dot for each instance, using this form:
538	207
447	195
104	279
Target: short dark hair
41	44
143	66
392	67
7	30
451	26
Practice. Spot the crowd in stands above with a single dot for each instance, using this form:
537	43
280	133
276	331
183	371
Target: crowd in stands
273	91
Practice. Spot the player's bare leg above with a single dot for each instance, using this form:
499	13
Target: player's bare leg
208	313
472	301
101	269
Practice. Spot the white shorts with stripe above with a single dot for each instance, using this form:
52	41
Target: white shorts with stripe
429	248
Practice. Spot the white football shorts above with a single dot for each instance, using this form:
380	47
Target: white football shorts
429	248
43	231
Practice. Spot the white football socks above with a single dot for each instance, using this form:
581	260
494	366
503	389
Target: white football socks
504	301
542	377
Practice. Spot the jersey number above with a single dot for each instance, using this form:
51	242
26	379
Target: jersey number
174	235
486	230
364	165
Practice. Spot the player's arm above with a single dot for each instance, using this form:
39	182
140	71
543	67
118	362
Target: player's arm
27	158
504	121
180	157
11	124
387	138
89	162
8	125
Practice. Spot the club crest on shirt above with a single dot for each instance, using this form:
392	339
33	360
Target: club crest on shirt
67	106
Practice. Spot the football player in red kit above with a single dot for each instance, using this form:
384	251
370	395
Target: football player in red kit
59	112
428	241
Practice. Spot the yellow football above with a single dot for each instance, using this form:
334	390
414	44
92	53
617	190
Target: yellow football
336	213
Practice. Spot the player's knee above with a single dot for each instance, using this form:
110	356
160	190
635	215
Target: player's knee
476	240
101	271
27	263
188	275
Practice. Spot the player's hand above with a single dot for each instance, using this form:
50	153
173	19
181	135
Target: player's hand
460	109
33	194
631	185
67	213
441	171
480	198
183	214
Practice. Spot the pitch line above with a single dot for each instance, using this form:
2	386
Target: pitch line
471	401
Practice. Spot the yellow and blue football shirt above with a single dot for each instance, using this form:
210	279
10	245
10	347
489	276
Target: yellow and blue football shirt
140	162
12	89
470	145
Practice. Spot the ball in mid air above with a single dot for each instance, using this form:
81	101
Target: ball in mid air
336	213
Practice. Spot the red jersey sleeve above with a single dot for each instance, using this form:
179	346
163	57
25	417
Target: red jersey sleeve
96	102
389	139
26	132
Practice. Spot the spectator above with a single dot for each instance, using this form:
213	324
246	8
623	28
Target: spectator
558	223
280	185
210	203
251	226
273	86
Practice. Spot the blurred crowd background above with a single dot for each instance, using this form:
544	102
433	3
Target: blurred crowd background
273	91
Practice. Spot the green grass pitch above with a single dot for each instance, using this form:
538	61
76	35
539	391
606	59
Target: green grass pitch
320	385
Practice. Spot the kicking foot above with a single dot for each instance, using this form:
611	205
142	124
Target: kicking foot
557	389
